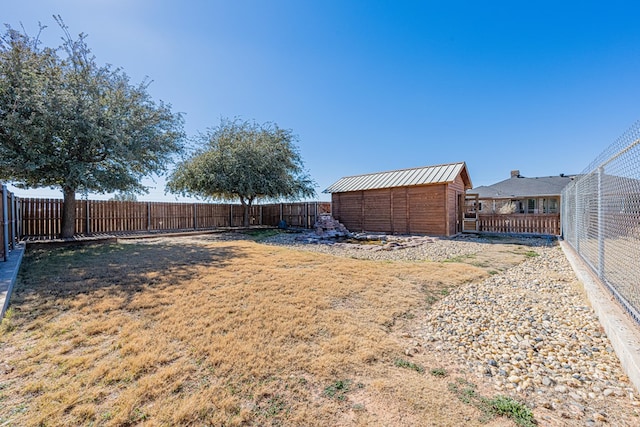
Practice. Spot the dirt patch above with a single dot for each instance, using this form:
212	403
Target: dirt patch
496	257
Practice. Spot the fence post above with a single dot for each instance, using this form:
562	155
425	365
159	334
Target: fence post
600	226
87	217
148	216
5	223
563	212
13	220
575	222
261	222
195	217
230	215
19	217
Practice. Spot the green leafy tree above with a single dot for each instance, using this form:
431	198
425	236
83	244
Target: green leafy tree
124	197
67	122
246	161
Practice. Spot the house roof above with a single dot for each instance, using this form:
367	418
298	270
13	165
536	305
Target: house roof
519	186
439	174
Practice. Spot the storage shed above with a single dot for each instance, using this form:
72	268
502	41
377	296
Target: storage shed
425	200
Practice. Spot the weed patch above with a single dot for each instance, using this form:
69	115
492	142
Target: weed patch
274	406
338	390
508	407
496	406
261	234
439	372
408	365
460	258
7	324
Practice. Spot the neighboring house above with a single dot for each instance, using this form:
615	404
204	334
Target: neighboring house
517	196
539	195
425	200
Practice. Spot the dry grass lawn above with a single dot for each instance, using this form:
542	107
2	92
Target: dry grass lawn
192	331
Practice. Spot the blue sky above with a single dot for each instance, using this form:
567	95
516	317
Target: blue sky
370	86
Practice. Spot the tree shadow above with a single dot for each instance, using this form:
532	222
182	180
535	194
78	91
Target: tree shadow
49	277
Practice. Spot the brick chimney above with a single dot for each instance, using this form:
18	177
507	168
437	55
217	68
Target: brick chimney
515	174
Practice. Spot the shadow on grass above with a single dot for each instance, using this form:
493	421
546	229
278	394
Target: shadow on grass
112	268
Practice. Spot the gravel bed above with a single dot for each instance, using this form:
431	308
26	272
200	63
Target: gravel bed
530	332
394	248
527	331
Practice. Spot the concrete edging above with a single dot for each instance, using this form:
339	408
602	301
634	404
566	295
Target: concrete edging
623	332
8	274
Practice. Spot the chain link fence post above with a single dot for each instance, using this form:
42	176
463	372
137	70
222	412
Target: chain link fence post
601	218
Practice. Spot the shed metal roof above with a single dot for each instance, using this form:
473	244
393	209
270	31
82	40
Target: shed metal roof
439	174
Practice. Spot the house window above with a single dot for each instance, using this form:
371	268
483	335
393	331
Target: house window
519	206
531	206
551	205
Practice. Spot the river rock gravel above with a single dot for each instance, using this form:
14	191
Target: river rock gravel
527	332
530	332
389	247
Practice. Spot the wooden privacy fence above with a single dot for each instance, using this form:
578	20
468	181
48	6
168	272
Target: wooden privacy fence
9	217
302	215
519	223
41	218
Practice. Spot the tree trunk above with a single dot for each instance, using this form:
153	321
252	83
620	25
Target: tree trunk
245	212
68	228
246	216
246	205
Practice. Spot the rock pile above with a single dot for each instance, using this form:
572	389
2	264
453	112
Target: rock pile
328	227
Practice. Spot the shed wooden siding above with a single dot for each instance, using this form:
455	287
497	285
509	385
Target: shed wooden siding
405	210
347	208
399	210
456	188
423	200
427	209
378	201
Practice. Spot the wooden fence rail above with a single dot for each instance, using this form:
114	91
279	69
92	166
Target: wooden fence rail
520	224
42	218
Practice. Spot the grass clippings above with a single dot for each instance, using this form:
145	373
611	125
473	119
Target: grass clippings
191	331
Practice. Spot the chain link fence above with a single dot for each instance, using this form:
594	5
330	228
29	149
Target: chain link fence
601	218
